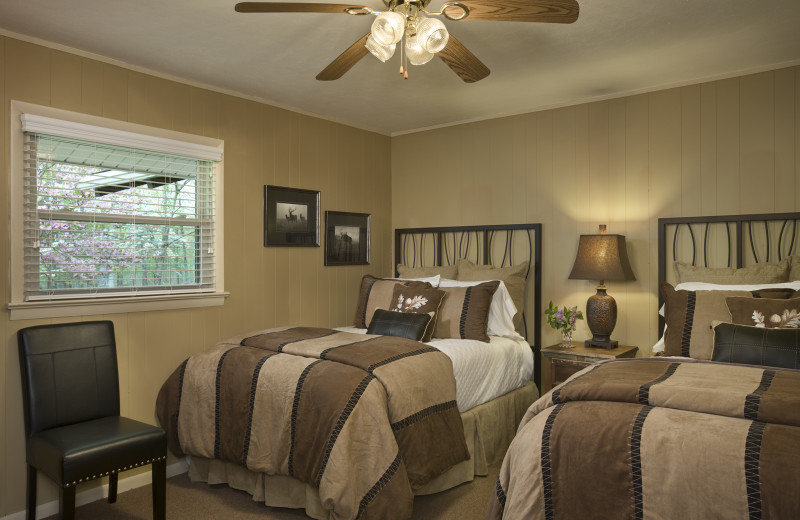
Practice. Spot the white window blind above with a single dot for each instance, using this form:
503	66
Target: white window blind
106	220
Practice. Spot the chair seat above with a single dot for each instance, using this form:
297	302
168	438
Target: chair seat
87	450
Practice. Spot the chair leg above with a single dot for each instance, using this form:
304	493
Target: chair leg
31	493
66	503
159	470
112	487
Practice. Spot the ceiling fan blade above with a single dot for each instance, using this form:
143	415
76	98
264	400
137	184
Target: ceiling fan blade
464	63
292	7
345	61
548	11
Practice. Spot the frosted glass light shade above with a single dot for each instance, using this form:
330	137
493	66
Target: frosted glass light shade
417	55
387	29
382	52
432	35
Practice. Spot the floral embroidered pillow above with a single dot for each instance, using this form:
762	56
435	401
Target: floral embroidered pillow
764	312
418	300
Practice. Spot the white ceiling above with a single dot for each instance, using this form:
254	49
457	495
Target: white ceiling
616	47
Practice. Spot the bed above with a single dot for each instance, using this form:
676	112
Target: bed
352	422
708	428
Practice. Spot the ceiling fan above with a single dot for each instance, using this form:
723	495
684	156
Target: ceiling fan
422	36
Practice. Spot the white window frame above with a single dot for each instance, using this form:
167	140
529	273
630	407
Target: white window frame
47	120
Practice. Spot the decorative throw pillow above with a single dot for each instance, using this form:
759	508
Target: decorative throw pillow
445	271
757	273
418	299
765	312
513	276
465	312
757	346
688	315
411	325
377	293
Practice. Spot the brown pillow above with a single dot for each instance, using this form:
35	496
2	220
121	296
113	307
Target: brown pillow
465	312
445	271
754	274
376	293
764	312
513	276
688	316
418	300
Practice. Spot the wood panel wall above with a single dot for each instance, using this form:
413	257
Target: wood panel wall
268	286
721	147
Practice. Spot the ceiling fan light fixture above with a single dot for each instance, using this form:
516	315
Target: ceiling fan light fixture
432	35
416	53
382	52
387	29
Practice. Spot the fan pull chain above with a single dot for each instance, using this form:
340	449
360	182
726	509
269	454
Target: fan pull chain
402	46
405	74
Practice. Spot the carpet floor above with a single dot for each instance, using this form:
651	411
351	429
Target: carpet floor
188	500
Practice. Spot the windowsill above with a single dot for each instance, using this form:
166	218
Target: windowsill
64	308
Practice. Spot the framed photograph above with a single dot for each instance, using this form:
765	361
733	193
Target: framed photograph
346	238
291	217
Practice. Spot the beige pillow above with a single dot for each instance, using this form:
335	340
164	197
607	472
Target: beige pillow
513	276
445	271
754	274
794	269
376	293
465	312
688	315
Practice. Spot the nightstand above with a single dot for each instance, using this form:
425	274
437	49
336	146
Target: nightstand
559	363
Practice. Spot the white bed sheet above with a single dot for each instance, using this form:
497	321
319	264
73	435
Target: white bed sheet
483	371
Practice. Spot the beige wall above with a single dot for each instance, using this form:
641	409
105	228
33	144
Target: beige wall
723	147
268	286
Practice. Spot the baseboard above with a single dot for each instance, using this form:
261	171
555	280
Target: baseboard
98	493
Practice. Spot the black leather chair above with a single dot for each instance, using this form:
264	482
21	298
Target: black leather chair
74	432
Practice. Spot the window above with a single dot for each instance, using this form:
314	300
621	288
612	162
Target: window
107	221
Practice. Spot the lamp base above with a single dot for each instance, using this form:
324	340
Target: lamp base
593	343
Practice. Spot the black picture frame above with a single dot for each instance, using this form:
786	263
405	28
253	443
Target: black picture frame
291	217
347	237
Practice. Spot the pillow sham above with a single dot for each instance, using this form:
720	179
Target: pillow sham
445	271
411	325
513	277
465	312
433	280
418	300
756	346
377	293
794	268
757	273
501	310
688	316
765	313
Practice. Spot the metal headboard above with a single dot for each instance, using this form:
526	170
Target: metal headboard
496	245
724	241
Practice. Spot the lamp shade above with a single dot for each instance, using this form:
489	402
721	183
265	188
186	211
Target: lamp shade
602	257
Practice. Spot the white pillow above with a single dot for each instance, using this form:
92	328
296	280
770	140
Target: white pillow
433	280
703	286
501	311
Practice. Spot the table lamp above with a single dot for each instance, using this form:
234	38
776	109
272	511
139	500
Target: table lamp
601	257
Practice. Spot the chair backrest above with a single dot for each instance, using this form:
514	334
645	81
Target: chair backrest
69	373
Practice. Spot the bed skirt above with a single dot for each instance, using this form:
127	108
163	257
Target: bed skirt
488	430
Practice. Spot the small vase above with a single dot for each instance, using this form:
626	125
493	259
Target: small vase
566	339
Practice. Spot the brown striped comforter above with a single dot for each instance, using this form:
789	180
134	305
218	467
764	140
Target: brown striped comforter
366	419
657	438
